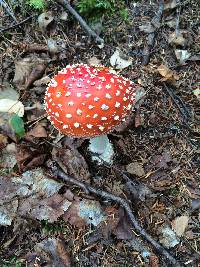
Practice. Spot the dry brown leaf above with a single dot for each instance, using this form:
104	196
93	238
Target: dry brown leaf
50	252
135	168
167	74
177	39
27	70
38	131
170	4
179	224
72	162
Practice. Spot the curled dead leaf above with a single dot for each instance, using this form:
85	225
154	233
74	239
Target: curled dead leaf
167	74
119	60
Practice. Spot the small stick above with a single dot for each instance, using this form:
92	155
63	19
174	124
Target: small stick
103	194
16	25
66	4
151	37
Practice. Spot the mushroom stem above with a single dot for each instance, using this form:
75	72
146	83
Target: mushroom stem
101	146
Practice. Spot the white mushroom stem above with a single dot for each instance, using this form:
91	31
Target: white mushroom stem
101	146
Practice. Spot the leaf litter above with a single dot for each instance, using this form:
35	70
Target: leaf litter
156	153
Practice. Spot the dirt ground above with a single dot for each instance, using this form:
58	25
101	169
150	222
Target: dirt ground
45	221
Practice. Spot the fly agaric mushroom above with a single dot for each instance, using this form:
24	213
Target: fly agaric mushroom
88	102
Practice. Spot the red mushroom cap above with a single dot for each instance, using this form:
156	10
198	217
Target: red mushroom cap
86	101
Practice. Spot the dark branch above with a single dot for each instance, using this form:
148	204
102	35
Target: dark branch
103	194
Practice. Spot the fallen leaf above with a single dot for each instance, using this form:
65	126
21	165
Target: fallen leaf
135	168
182	55
38	131
83	212
43	81
170	4
167	74
3	141
179	224
8	92
12	106
72	162
8	157
48	209
94	61
119	60
147	28
11	125
168	238
177	39
27	70
123	229
8	212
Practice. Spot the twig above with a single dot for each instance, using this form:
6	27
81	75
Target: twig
179	103
8	10
17	24
151	37
103	194
66	4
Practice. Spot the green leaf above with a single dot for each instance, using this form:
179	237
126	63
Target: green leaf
17	125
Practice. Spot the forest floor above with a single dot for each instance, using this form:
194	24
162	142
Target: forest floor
154	179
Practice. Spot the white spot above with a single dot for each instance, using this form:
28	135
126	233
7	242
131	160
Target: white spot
90	107
127	91
93	83
71	103
79	112
102	78
76	124
101	128
118	93
49	117
89	126
108	96
87	95
124	82
116	118
95	116
119	81
49	110
104	118
59	105
117	104
65	126
68	94
129	107
78	94
96	99
104	107
112	80
120	86
73	78
99	87
53	83
50	100
64	81
68	116
63	71
88	81
87	116
125	98
57	114
49	94
79	85
108	86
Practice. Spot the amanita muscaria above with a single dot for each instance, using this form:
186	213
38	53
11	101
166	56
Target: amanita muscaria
88	102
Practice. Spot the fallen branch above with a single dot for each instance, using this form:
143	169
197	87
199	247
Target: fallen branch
103	194
151	37
91	33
